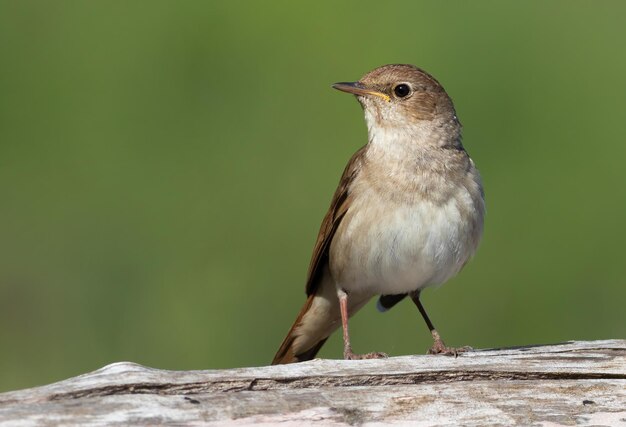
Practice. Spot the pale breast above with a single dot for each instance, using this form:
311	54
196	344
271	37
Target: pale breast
386	245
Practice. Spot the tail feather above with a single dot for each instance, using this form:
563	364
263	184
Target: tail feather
287	352
318	318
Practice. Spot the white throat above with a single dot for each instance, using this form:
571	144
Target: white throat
393	134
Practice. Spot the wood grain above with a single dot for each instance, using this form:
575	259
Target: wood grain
574	383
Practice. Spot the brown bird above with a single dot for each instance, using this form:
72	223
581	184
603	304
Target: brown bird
408	212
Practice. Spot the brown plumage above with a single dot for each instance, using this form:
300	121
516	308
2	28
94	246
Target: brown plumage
377	237
319	262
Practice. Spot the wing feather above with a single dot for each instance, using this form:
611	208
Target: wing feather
338	208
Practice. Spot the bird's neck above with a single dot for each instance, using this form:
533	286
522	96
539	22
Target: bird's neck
413	141
415	159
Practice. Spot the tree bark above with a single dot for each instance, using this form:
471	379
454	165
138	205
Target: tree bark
574	383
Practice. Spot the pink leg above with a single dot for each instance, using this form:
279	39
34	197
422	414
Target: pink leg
347	348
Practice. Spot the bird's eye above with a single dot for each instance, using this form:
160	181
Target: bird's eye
402	90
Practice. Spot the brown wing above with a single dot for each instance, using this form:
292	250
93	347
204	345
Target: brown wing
338	208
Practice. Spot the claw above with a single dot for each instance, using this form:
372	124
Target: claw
375	355
440	348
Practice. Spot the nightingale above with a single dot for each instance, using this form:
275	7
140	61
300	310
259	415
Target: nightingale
407	214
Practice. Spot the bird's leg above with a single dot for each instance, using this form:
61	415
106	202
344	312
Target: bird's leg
347	348
439	347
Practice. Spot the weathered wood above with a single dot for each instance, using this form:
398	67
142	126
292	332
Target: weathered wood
575	383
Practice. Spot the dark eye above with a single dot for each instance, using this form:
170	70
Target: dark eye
402	90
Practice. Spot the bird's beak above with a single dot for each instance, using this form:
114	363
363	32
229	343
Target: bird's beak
357	88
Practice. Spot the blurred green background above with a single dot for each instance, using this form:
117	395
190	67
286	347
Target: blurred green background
165	165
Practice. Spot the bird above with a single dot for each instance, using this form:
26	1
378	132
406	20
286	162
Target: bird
407	214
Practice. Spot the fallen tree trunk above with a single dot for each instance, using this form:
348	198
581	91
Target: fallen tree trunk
581	383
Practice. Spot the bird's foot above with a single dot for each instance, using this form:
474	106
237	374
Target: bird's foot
349	355
440	348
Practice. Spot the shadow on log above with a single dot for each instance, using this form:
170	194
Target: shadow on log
574	383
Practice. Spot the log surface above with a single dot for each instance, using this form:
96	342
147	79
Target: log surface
574	383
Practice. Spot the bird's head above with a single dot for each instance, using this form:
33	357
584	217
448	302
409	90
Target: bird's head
402	98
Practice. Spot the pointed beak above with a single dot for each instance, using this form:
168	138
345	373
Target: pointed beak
357	88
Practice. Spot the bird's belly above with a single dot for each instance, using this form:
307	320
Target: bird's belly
391	248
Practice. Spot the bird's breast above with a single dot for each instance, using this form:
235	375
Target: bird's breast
389	245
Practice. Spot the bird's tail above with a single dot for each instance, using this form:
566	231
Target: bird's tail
318	318
289	351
